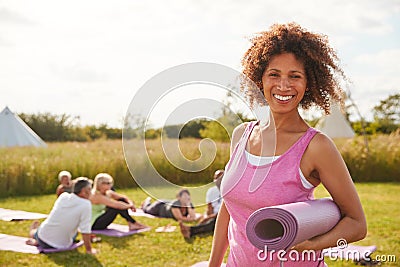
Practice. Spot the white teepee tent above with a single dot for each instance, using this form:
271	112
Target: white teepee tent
15	132
335	124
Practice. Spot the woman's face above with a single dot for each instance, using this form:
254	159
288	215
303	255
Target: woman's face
65	180
185	198
105	185
284	83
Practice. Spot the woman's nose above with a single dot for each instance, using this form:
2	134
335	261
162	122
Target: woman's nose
283	84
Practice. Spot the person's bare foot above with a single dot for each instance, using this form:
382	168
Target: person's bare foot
185	230
34	225
33	228
136	226
145	202
31	242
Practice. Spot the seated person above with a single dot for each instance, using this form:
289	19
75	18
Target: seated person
181	209
64	177
69	213
107	204
213	200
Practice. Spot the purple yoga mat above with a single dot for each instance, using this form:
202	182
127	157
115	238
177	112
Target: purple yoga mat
17	244
118	230
53	250
18	215
140	212
283	226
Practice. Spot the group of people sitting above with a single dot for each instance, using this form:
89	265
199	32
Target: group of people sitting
83	205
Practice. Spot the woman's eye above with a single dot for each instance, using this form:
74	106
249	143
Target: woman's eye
295	76
273	75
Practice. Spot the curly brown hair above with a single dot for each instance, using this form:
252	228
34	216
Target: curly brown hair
320	62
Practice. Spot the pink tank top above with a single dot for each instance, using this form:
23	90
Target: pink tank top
246	188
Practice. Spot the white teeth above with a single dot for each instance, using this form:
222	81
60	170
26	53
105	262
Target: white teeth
283	98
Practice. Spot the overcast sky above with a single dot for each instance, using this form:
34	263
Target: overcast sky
88	58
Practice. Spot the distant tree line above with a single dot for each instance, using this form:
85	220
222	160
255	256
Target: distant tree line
61	128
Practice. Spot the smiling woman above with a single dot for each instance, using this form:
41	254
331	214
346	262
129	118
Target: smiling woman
292	67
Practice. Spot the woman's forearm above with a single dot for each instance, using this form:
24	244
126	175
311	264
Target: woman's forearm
220	240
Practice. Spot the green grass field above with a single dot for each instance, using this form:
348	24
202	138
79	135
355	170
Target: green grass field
380	202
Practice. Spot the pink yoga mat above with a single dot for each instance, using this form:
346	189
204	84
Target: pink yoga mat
119	230
17	215
17	244
140	212
283	226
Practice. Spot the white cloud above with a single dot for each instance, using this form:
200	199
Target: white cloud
74	56
375	77
11	17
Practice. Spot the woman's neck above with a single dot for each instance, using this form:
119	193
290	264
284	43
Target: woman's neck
289	122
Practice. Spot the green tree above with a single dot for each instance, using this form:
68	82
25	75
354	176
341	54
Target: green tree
152	133
51	127
215	131
192	129
387	114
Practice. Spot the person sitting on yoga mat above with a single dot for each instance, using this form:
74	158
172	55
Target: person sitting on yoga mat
181	209
283	161
64	177
69	213
213	200
107	204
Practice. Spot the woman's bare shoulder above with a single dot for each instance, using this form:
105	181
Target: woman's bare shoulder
239	130
237	134
322	145
97	198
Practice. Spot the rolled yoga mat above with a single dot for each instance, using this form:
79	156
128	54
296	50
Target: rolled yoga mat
283	226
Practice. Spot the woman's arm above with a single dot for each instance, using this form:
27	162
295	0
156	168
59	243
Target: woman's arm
59	190
220	240
110	202
118	196
88	244
192	214
330	168
176	212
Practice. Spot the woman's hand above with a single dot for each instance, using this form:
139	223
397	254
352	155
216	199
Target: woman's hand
305	245
133	208
92	251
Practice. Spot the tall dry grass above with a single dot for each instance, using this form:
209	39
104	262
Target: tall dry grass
30	171
380	162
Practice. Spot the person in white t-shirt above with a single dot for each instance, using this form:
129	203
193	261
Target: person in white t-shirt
69	213
213	200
